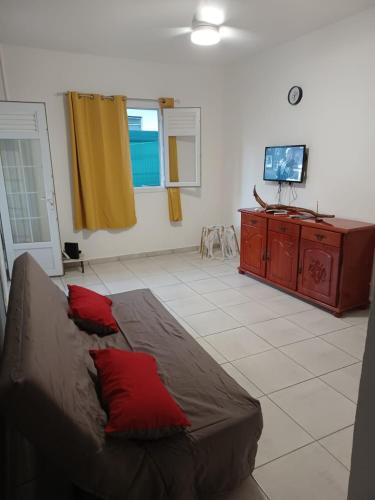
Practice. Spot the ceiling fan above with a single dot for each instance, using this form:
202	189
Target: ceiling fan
209	27
206	25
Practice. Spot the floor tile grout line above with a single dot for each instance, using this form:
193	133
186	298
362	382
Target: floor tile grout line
312	378
335	432
211	277
219	353
329	451
309	370
266	497
314	439
292	418
312	336
340	392
202	337
211	334
257	467
338	347
247	378
288	315
299	341
275	348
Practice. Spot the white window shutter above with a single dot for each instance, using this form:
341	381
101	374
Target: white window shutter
19	122
185	125
22	120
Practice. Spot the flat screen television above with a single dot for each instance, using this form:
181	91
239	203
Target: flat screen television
285	163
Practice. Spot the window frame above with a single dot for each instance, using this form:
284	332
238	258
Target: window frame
151	104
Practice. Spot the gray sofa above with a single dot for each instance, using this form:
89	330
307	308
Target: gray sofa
49	395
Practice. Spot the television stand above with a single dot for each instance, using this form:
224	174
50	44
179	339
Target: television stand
326	262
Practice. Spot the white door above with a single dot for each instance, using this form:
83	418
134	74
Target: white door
27	198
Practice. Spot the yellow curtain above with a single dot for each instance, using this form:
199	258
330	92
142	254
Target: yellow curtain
174	197
103	193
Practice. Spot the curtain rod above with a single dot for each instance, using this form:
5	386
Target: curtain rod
83	94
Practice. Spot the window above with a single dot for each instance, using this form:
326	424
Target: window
145	147
151	132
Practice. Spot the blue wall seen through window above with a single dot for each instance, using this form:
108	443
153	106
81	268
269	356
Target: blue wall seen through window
144	147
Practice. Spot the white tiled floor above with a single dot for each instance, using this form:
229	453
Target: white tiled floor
303	363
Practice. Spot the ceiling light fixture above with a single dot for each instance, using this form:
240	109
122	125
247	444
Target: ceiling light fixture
210	14
205	34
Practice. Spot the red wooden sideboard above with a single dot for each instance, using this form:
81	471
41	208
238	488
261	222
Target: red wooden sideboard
328	262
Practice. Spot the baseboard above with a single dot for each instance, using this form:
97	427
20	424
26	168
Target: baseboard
141	255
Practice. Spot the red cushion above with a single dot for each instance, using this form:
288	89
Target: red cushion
139	405
91	311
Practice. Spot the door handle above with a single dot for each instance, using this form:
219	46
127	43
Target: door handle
50	201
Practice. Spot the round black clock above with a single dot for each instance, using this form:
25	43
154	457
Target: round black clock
295	95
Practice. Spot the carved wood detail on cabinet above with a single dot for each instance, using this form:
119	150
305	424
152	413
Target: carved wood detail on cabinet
328	262
319	268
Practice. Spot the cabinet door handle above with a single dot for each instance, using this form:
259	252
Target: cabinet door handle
283	229
265	255
253	221
300	269
319	237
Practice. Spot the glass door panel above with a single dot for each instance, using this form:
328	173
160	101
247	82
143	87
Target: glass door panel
25	191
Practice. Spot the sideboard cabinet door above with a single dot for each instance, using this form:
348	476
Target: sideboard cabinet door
319	271
253	248
282	259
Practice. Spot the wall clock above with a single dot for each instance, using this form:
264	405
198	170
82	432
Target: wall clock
295	95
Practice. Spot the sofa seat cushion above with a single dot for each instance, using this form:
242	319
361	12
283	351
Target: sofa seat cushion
139	405
91	311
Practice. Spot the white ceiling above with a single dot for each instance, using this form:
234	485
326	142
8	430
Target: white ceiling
157	30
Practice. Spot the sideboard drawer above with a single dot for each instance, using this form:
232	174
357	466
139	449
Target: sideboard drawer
284	227
253	220
322	236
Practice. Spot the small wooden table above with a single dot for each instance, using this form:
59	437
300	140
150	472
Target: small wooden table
80	262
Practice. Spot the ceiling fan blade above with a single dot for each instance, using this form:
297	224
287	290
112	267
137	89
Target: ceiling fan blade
176	32
236	34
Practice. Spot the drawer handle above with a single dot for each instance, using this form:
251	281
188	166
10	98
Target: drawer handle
320	237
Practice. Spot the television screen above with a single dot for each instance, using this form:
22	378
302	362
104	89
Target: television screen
284	163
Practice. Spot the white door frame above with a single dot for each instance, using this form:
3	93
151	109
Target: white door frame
14	249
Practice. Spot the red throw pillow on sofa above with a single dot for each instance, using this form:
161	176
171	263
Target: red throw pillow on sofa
139	405
91	311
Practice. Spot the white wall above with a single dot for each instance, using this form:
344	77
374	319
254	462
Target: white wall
248	109
336	118
40	75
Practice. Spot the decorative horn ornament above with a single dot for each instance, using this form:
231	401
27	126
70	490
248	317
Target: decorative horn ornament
288	207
